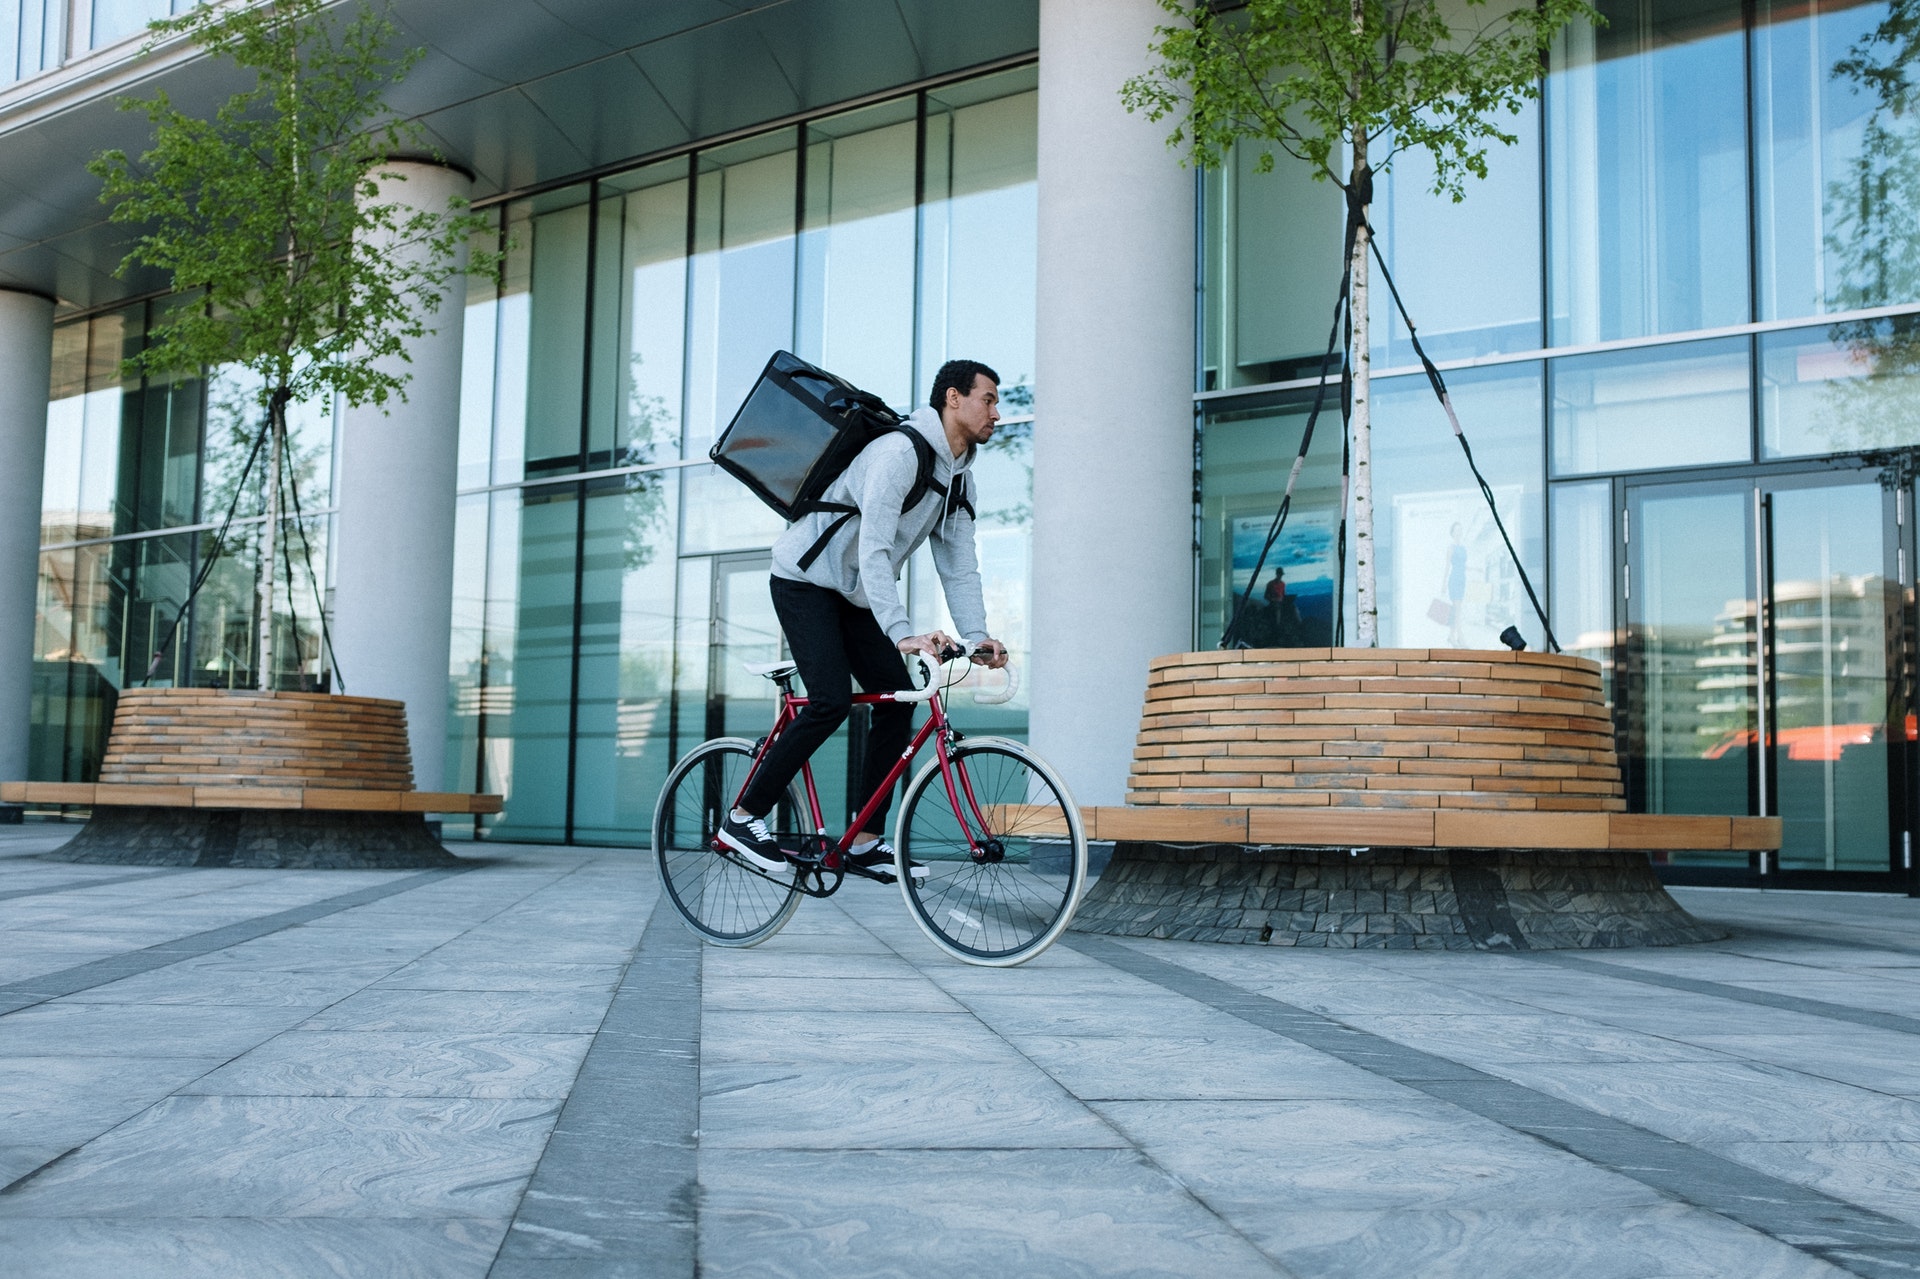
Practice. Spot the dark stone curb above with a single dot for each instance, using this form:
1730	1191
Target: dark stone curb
1386	898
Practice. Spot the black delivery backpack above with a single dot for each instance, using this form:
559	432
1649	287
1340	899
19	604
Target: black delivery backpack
798	429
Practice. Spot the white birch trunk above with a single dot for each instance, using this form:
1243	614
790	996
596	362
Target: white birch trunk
1367	610
269	541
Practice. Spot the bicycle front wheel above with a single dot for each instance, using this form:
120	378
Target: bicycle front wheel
719	896
1003	851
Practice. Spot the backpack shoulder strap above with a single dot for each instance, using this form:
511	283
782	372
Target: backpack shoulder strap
923	474
847	513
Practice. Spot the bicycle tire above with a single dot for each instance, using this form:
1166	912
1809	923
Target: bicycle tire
715	894
998	913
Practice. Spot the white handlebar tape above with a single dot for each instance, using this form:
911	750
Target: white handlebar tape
983	698
929	678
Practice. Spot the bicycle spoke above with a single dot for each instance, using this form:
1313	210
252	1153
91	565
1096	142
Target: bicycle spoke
719	897
1010	905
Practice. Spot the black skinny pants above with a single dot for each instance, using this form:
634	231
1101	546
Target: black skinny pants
833	643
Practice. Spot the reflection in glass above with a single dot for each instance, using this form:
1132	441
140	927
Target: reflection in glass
1647	172
1840	388
539	670
1272	242
1003	539
719	513
1837	147
1692	654
1661	406
1582	600
623	743
557	245
977	232
857	249
32	37
740	308
467	666
1445	577
479	337
1469	272
1828	625
115	20
638	357
1245	456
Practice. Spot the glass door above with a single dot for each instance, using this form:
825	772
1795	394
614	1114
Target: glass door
1764	616
743	629
1837	728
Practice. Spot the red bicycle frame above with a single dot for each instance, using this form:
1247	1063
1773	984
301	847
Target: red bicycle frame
936	724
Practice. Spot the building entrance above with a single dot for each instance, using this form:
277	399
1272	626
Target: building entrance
1763	668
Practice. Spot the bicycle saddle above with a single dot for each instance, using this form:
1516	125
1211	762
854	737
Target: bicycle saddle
772	670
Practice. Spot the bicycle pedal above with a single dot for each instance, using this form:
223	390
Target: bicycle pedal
882	874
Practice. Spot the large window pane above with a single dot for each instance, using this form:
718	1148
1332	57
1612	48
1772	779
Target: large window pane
624	744
1582	600
719	513
1245	456
469	687
557	236
645	343
32	37
1445	578
532	769
1840	388
115	20
1469	272
1003	538
977	227
1647	172
741	308
1835	204
856	250
1273	268
1636	410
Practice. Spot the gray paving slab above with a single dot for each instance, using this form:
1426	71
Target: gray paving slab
393	1063
946	1212
231	1247
299	1157
530	1069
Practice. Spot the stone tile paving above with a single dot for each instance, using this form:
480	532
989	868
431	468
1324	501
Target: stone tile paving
528	1068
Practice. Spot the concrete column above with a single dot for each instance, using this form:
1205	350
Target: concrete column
1113	438
393	540
26	367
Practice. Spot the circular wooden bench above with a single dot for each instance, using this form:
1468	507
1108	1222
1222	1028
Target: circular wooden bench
1408	798
229	777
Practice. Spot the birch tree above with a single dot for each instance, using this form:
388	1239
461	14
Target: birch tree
1344	86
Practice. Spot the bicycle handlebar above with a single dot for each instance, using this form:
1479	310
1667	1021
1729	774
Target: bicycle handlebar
928	678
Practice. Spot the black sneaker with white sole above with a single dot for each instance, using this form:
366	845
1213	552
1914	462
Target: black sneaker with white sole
750	838
877	863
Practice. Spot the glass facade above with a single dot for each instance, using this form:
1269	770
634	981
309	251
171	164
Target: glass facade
1688	293
609	582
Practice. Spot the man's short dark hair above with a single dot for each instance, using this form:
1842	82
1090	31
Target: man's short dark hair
960	375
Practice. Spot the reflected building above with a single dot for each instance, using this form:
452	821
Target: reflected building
1678	319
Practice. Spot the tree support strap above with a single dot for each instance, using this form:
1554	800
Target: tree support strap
219	545
1446	402
1230	637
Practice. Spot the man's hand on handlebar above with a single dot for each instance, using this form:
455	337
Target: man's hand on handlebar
938	645
991	654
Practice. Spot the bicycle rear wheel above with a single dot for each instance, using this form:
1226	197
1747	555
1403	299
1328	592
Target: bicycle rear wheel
1005	895
720	897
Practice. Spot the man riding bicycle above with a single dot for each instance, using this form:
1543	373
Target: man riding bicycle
836	590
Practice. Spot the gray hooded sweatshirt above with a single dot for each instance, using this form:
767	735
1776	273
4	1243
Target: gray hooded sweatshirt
863	560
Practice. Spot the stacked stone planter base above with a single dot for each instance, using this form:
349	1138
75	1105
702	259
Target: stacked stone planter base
1396	798
1386	898
203	777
